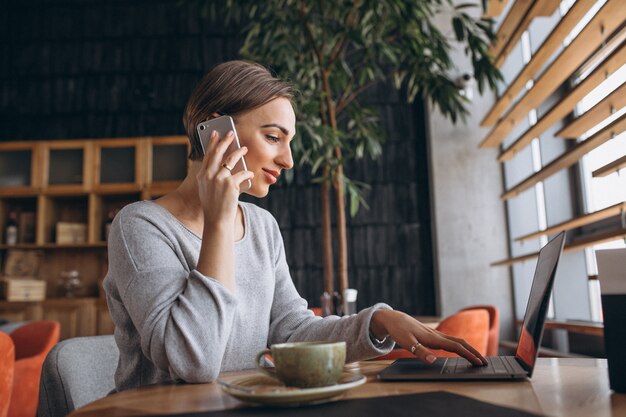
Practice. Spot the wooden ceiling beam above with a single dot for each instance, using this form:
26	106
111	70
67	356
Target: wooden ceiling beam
610	168
595	115
538	60
570	157
596	216
537	9
567	103
611	16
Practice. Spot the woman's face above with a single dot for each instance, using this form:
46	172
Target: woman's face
267	131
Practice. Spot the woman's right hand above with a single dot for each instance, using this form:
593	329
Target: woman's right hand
218	188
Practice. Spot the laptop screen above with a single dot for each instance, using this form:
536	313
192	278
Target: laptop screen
538	301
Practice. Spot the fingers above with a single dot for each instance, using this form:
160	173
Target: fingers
472	350
233	158
422	353
216	147
463	349
242	176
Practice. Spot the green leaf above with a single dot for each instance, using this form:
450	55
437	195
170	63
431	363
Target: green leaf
459	29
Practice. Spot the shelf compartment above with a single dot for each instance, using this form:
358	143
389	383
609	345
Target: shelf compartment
18	168
67	167
25	209
102	209
67	209
168	164
118	165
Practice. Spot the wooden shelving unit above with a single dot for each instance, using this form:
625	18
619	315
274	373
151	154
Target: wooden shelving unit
86	182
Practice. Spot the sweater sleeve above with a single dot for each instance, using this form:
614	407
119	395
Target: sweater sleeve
183	317
291	321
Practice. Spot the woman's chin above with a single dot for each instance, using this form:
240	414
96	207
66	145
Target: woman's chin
258	192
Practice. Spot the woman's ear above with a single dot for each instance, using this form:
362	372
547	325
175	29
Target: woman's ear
214	115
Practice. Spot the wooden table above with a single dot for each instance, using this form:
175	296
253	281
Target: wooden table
559	387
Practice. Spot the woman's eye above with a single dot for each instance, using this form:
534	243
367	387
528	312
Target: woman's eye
272	138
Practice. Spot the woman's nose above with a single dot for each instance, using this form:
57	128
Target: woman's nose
285	159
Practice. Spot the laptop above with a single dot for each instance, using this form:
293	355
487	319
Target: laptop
519	366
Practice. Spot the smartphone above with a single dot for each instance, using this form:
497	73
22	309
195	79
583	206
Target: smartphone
223	125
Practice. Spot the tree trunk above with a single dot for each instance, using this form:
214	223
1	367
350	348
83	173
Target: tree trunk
342	239
327	244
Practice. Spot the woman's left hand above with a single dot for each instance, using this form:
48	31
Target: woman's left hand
408	333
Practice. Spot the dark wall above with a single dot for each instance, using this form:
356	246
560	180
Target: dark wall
94	69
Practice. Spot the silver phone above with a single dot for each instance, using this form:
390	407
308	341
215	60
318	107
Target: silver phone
223	125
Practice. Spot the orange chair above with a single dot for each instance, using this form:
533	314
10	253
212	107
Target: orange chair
32	343
494	327
7	364
471	325
316	310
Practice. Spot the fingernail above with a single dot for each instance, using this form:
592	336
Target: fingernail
214	133
245	149
430	358
230	133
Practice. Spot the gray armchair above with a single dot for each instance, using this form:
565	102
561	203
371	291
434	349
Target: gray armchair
76	372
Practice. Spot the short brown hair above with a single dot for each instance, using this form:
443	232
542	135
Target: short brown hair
230	88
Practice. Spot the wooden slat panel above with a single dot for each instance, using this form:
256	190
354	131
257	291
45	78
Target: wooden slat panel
541	56
495	8
512	20
579	221
610	168
592	117
574	326
570	157
603	24
567	103
574	246
538	8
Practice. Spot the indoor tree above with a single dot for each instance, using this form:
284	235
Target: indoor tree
333	51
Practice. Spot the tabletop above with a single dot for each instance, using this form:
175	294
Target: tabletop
559	387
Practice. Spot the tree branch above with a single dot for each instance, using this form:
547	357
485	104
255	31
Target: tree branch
356	92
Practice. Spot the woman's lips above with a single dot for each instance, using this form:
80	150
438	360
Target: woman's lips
272	176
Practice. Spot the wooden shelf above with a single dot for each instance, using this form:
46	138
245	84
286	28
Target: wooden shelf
575	326
595	115
579	221
610	168
567	103
538	60
511	35
543	352
574	246
603	24
570	157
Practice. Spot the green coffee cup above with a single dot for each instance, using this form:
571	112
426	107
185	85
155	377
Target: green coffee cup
305	364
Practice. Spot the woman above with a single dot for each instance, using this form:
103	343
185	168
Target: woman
198	282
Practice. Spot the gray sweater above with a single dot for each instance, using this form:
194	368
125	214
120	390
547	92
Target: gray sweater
173	323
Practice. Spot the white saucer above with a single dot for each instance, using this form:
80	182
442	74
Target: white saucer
262	389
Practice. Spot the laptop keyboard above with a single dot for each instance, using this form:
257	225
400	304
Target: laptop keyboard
496	365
